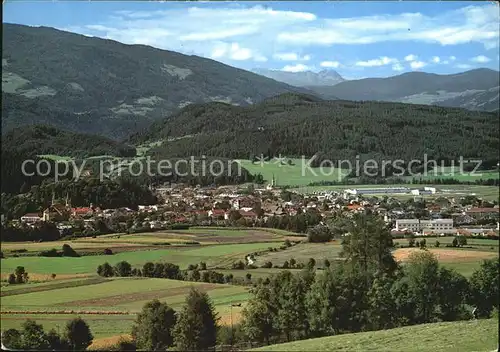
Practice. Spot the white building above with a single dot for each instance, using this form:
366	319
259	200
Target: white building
436	225
385	190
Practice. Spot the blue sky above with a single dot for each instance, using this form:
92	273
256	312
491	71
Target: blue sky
357	39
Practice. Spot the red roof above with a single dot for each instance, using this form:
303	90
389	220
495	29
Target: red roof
180	219
83	210
218	211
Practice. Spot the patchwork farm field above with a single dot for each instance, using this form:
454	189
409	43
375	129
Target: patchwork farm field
148	240
110	305
183	256
114	300
461	336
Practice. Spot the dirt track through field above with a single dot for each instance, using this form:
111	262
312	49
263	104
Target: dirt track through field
138	296
446	255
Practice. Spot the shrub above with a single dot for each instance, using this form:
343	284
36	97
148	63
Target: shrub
267	265
1	255
123	268
288	243
105	270
67	251
203	266
423	243
205	276
411	242
108	251
21	250
239	265
228	278
12	279
462	241
53	276
437	244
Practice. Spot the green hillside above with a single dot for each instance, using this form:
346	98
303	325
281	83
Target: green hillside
294	125
47	78
466	336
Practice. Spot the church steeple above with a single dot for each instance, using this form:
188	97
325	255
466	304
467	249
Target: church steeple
68	201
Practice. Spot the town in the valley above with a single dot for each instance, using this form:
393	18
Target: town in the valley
422	212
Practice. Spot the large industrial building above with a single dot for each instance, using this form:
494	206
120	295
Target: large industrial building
415	225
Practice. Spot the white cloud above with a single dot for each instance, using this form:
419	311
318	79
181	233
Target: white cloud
416	65
287	31
296	68
291	57
463	66
452	58
330	64
410	57
397	67
465	25
235	52
481	59
382	61
436	59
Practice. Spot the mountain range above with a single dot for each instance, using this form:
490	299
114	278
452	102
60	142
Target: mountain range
93	85
474	90
302	79
97	86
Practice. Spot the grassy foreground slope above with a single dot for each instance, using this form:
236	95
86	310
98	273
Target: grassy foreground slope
476	335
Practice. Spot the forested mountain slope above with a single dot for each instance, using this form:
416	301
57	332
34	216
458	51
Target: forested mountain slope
295	125
43	139
93	85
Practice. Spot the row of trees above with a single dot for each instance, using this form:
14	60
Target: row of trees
195	273
75	337
345	299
